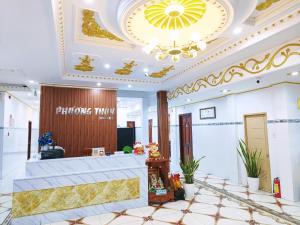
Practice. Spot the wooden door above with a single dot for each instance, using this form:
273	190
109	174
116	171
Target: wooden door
131	124
257	138
186	137
29	140
150	124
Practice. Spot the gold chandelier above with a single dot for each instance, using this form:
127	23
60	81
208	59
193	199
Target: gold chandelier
190	50
175	15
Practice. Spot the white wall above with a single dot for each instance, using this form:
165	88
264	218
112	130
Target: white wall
15	132
1	131
218	142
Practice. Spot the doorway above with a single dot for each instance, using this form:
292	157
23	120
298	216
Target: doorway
186	137
256	137
150	124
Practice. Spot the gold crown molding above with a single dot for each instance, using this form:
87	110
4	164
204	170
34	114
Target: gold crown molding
193	11
92	29
109	79
235	93
162	73
265	5
252	66
236	44
126	69
85	64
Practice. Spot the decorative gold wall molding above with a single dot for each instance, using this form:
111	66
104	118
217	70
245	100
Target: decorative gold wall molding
85	64
266	4
92	29
70	197
127	68
162	73
252	66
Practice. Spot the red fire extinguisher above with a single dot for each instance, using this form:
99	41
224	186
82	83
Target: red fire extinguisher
276	187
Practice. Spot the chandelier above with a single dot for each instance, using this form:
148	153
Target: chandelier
174	15
175	51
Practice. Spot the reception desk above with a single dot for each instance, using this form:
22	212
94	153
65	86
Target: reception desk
60	189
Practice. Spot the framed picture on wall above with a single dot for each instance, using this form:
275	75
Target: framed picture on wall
207	113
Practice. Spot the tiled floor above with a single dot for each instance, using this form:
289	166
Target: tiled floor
207	208
5	206
280	206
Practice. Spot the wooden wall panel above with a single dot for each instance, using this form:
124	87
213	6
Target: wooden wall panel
76	132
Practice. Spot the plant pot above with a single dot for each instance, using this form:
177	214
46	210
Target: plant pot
45	147
189	191
253	184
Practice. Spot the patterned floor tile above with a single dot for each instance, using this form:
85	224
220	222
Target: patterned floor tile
207	199
126	220
204	208
167	215
197	219
141	212
235	214
179	205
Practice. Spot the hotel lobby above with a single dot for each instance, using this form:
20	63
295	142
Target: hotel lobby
149	112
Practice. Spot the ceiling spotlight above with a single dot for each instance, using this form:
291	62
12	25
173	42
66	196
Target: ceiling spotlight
89	1
188	100
295	73
99	84
146	70
106	66
31	82
225	91
237	30
129	86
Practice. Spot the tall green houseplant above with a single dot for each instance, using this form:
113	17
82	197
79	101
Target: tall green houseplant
251	160
189	168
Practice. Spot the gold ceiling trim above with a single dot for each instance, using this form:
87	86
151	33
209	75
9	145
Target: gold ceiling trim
192	12
230	47
126	69
162	73
265	5
252	66
85	64
92	29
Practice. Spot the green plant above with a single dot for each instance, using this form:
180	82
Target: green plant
127	149
189	168
251	159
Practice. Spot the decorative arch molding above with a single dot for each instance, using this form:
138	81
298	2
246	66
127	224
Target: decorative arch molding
252	66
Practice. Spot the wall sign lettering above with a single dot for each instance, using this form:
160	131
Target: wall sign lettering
103	113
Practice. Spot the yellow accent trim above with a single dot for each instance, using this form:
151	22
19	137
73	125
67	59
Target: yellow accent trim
127	68
85	64
266	4
70	197
298	103
92	29
162	73
193	12
251	66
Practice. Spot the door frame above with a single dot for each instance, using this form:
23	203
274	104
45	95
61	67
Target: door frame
150	127
266	136
180	136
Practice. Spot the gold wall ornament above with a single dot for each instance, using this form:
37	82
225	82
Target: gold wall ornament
85	64
172	15
250	67
92	29
127	68
266	4
162	73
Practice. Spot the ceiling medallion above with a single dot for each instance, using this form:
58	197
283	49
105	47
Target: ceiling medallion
266	4
92	29
127	68
85	64
175	14
161	73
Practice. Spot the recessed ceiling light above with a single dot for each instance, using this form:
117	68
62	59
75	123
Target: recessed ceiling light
237	30
129	86
295	73
99	84
31	81
29	94
146	70
89	1
225	91
106	66
188	100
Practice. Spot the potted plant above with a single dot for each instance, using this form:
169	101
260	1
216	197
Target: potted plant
252	162
188	169
45	140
